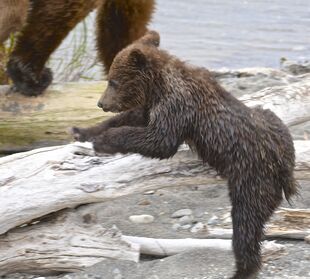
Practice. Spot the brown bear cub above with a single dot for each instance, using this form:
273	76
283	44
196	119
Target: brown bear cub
165	102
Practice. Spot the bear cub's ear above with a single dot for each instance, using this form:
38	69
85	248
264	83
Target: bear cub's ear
151	38
137	57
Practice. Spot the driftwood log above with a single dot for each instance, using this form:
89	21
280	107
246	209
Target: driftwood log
63	244
32	122
38	182
39	189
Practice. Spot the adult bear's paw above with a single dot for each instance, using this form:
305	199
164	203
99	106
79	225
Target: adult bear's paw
25	80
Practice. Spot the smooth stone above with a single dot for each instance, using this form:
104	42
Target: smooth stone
187	219
186	227
213	220
176	226
141	219
181	213
198	227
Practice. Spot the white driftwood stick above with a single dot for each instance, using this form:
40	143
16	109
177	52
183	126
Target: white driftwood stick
283	233
168	247
65	244
46	180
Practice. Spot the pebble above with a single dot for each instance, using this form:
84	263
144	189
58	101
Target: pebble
227	218
151	192
213	220
187	219
186	227
141	219
198	227
117	274
176	227
144	202
181	213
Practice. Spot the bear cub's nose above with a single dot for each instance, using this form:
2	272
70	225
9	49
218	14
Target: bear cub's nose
99	105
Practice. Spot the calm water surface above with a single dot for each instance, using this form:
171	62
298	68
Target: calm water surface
220	33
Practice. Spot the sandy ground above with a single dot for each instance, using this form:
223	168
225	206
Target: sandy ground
205	202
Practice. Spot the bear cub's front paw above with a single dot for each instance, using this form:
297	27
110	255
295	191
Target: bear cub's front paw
79	134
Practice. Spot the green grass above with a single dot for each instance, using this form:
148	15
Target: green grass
5	51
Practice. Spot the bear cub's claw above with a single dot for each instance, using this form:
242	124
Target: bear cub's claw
77	134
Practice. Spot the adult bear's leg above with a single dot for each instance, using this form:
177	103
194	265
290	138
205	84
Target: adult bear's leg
13	14
47	25
119	24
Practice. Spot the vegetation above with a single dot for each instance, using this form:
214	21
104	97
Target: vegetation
5	51
76	59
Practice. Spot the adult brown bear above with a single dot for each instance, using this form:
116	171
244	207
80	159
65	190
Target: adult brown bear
119	22
164	102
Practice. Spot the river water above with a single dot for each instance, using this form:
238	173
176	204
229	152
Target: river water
210	33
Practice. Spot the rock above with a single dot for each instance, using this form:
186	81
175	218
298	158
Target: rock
151	192
307	239
213	220
176	227
198	227
117	274
181	213
186	227
141	219
144	202
227	219
187	219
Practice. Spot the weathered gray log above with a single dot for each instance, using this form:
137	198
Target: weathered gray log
70	243
46	180
63	244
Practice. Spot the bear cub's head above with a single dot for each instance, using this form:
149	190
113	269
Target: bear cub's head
131	75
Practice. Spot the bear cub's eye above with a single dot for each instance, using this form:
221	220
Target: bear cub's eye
113	83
